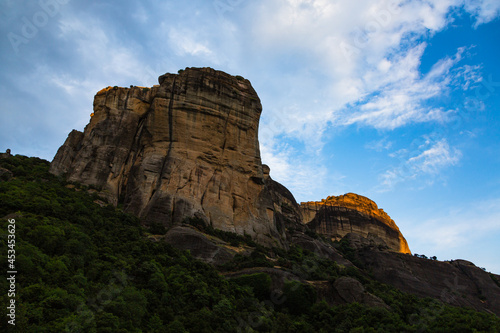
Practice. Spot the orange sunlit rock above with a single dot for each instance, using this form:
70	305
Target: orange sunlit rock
102	91
330	216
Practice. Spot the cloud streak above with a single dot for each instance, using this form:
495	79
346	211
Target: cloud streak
424	164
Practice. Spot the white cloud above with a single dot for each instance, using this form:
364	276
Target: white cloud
483	10
365	57
365	61
302	177
423	164
185	42
467	77
437	157
403	93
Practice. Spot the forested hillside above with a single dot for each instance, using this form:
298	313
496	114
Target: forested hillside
86	266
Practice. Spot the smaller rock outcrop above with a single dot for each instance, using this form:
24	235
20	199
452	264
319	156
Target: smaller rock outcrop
7	154
337	216
5	174
349	290
208	249
458	282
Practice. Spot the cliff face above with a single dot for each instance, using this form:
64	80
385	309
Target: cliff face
457	282
186	147
338	216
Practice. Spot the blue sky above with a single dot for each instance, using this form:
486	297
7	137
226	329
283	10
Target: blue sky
395	100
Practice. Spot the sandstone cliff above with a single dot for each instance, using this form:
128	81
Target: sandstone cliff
186	147
338	216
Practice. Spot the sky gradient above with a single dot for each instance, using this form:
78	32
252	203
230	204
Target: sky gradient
395	100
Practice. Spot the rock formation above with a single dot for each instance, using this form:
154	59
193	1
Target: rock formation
338	216
458	282
5	174
186	147
201	246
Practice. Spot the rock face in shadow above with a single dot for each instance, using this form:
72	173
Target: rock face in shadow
5	174
187	147
457	282
286	210
348	290
319	247
208	249
338	216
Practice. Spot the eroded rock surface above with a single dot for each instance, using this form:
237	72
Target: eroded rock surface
338	216
5	174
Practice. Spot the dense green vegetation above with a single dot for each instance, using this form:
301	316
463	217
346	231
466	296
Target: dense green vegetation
84	266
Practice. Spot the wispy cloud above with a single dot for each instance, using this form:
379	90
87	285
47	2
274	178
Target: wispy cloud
437	157
484	11
403	94
381	62
424	164
379	145
366	59
362	67
303	177
185	42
